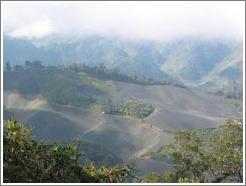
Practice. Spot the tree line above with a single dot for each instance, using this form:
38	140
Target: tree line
98	71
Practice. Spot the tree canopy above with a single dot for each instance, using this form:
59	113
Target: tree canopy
28	161
206	155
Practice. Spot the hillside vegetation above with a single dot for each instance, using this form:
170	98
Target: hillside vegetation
56	85
135	108
75	84
26	161
213	155
207	155
64	103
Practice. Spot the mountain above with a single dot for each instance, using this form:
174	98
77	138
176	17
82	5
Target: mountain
129	57
227	74
192	61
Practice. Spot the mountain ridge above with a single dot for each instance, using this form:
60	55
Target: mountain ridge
188	60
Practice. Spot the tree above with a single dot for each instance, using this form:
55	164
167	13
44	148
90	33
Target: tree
8	67
28	65
226	157
187	155
33	65
27	161
37	65
211	155
18	68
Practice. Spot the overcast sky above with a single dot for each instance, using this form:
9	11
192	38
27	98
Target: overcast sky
141	20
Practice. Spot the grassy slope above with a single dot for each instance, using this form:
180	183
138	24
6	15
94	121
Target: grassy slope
176	108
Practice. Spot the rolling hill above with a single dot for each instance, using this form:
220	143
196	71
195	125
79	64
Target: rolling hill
62	119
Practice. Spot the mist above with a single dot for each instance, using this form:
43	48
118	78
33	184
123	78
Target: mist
132	20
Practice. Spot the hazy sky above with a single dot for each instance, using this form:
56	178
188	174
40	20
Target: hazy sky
147	20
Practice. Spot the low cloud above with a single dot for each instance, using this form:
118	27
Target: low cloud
37	29
147	20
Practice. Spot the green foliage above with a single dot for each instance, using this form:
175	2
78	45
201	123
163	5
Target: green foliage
161	154
207	155
187	156
107	106
135	108
167	177
107	175
153	177
226	157
27	161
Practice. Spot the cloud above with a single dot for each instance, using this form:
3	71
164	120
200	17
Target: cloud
37	29
148	20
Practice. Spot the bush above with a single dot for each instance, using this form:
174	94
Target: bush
135	108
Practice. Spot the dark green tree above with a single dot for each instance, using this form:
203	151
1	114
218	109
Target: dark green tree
18	68
8	67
